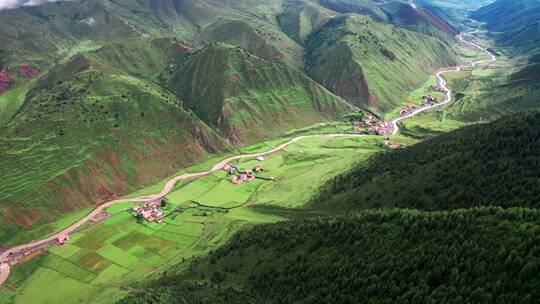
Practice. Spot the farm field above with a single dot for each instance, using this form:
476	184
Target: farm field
200	215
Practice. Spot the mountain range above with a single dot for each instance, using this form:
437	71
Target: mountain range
108	99
116	84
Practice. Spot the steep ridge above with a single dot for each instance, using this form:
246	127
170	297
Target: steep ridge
402	14
513	23
245	97
86	134
276	31
373	64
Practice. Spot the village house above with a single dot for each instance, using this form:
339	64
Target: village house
230	169
370	120
382	128
407	110
437	88
430	99
246	176
61	240
150	211
357	126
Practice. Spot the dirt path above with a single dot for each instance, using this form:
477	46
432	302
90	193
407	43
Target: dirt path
12	255
4	272
393	123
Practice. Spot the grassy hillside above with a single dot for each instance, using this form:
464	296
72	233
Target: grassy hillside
400	13
511	84
373	64
85	134
488	164
489	93
245	97
480	255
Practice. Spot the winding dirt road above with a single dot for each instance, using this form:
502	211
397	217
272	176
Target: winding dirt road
14	254
393	123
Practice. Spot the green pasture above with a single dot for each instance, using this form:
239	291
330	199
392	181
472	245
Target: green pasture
201	215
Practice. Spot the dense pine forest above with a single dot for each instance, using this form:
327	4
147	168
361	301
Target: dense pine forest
478	255
489	164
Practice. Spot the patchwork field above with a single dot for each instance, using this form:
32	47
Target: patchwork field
101	259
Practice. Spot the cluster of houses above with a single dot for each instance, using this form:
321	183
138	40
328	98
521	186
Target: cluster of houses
407	110
150	211
438	88
380	129
25	70
430	100
238	177
373	124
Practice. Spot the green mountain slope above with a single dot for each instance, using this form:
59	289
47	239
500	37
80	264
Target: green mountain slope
400	13
455	11
513	24
396	256
273	31
514	86
245	97
489	164
373	64
86	134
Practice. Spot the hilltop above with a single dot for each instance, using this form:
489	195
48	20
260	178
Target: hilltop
245	97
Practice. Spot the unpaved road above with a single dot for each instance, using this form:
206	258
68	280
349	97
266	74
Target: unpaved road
12	255
4	272
393	123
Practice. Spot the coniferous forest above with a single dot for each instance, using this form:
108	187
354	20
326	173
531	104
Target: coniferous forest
490	164
478	255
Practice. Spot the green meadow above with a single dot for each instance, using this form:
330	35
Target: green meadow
104	261
201	215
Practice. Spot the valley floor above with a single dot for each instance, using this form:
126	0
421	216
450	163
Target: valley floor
102	260
200	215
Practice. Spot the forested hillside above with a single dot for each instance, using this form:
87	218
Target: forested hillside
489	164
483	255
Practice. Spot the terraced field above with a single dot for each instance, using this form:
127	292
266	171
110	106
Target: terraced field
200	215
